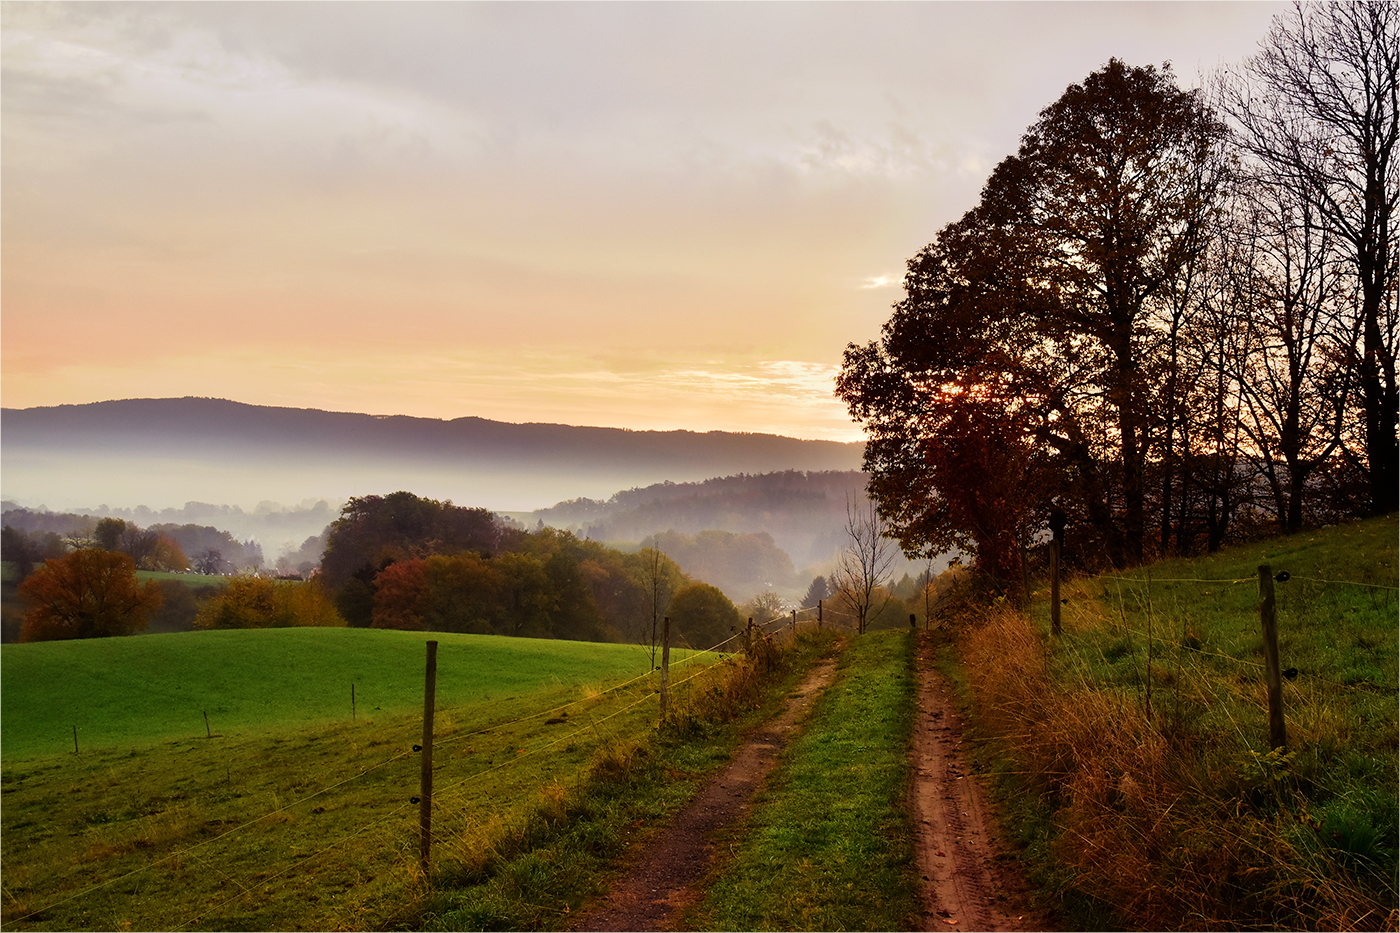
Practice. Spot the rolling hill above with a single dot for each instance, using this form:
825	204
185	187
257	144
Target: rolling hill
165	452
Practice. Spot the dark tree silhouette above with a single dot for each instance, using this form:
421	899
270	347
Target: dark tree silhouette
1319	107
1047	307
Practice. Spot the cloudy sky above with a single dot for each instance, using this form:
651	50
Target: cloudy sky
644	215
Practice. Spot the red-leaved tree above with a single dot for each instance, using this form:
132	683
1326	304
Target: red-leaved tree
87	594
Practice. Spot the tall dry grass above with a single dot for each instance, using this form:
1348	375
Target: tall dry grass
1170	827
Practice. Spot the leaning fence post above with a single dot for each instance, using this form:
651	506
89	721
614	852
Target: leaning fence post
1268	618
665	665
425	793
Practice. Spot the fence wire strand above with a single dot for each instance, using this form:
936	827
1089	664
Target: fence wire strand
191	850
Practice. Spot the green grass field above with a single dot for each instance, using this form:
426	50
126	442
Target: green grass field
122	692
192	580
292	816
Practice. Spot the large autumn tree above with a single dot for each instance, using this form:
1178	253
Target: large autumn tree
90	593
374	532
1045	311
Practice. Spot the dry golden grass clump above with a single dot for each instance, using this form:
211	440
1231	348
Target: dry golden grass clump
1141	736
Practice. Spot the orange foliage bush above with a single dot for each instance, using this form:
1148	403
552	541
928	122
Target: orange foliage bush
87	594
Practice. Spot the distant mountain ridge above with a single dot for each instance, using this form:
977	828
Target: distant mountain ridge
162	452
225	423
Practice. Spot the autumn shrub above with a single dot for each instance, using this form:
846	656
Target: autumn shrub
258	602
740	684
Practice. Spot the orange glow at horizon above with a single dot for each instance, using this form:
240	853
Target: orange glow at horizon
653	217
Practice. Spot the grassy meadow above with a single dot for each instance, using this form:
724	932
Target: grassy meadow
1130	756
1133	751
122	692
292	816
192	580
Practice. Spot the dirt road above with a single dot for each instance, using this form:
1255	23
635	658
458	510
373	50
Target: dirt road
660	883
969	884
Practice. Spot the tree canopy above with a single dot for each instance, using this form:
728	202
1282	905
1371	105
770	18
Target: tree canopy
404	562
1148	320
1033	326
89	593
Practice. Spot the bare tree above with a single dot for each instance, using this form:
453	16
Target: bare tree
765	607
1292	388
209	561
1319	105
660	579
864	566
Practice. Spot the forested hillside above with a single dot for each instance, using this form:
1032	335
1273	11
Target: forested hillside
803	512
232	452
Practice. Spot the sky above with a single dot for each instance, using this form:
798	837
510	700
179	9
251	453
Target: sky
639	215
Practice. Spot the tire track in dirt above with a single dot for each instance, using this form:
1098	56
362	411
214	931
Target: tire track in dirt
968	884
661	880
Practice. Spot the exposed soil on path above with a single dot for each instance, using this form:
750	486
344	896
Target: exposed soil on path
660	883
970	883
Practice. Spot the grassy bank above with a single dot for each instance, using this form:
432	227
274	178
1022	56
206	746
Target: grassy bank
828	845
313	827
1133	751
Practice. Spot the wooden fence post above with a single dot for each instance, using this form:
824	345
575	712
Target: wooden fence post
1055	587
665	665
352	703
1268	617
819	614
75	740
794	623
425	792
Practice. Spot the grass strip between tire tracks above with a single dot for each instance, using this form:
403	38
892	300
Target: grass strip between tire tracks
538	875
828	845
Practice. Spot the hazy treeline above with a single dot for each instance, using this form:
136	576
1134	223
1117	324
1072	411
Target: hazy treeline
91	590
802	512
1171	320
739	564
278	528
204	548
401	561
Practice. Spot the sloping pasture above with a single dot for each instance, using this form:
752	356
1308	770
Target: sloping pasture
292	815
122	692
1135	747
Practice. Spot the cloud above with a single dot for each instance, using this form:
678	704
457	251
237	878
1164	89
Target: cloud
601	213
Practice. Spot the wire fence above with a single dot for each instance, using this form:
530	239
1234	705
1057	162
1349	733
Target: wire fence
1142	585
602	717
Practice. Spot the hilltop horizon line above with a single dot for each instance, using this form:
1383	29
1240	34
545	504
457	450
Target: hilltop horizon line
429	418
